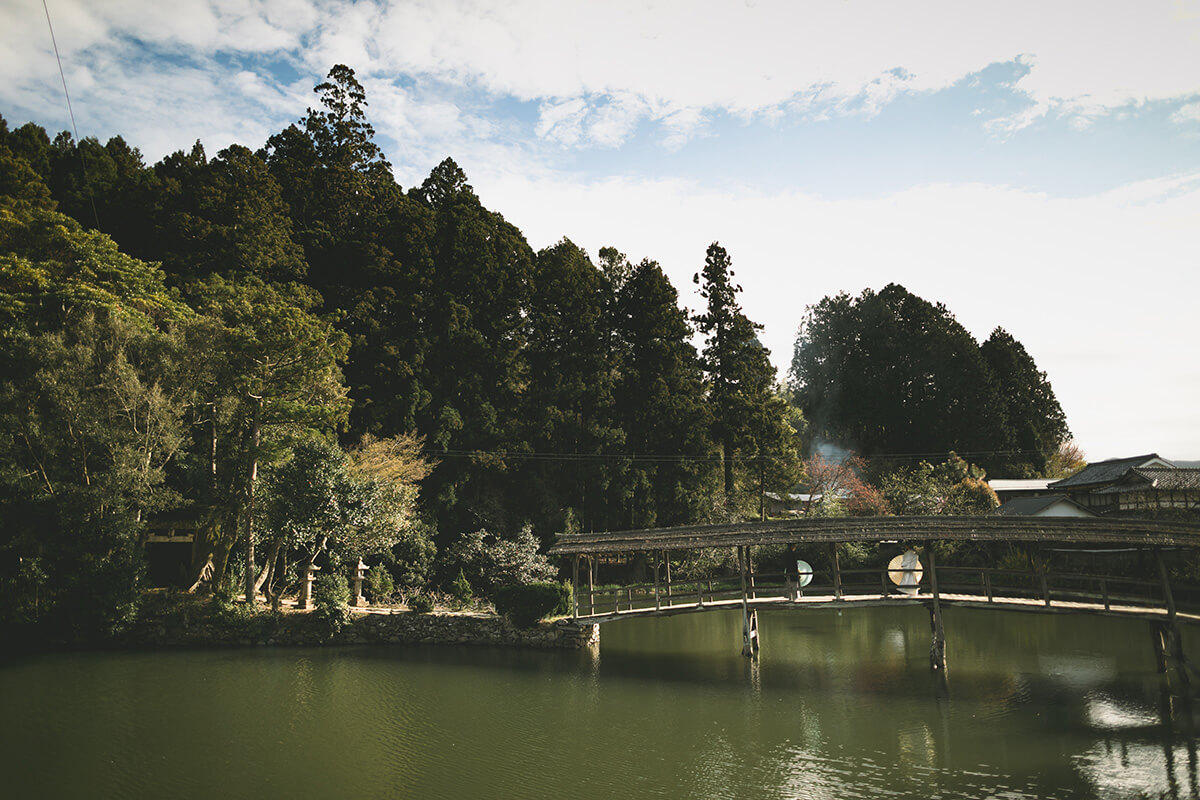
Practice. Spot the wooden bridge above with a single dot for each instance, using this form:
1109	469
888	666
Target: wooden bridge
1037	591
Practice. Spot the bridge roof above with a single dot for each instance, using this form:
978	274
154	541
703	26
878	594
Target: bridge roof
1060	530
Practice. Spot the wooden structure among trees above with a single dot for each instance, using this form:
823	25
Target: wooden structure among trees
1032	590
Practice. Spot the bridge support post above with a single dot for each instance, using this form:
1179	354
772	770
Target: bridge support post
937	644
1168	644
667	562
575	586
837	571
749	618
657	601
591	584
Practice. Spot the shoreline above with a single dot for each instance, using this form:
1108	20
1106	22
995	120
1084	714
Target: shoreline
262	628
192	623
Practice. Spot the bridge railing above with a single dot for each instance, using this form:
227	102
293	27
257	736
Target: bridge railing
993	584
1106	590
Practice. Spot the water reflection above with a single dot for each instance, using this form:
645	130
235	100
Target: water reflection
835	706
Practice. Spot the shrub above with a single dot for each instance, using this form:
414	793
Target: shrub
379	583
460	591
490	561
525	604
421	603
331	596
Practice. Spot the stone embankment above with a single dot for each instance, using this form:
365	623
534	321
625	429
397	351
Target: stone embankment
373	626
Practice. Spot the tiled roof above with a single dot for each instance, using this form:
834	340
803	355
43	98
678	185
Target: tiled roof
1103	472
1163	479
1030	506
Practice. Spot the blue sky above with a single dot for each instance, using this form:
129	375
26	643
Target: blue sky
1032	165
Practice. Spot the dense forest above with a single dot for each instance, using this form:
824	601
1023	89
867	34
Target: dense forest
283	345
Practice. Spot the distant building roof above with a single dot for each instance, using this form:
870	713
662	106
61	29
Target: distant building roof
1163	479
1019	485
1109	471
792	496
1033	506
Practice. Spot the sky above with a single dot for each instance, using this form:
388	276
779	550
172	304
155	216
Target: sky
1031	165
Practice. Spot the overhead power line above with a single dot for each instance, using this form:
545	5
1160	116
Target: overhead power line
71	113
709	458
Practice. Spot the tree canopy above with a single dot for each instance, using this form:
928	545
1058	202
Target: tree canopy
890	374
307	361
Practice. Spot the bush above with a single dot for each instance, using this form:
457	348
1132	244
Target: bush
421	603
379	583
490	561
331	596
460	591
525	604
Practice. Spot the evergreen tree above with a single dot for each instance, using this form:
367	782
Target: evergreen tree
339	187
889	373
659	401
568	404
748	418
1037	426
476	315
225	216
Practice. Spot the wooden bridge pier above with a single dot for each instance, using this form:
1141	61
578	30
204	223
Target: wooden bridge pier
750	643
1166	638
937	630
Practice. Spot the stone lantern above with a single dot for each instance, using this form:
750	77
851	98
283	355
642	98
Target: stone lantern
360	572
306	584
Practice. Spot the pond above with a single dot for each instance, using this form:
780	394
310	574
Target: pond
835	706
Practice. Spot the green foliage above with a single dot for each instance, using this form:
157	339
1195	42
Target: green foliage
659	401
750	419
526	604
90	417
421	603
970	497
460	591
414	556
379	583
331	600
706	562
892	373
952	487
1037	426
489	562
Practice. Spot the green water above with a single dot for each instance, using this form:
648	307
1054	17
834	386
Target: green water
835	707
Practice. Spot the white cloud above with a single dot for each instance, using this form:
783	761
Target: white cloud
1090	285
673	62
562	120
1187	113
1086	57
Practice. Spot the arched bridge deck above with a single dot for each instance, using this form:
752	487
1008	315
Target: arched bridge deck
979	587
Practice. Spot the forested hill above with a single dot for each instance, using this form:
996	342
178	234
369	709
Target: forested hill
549	387
280	345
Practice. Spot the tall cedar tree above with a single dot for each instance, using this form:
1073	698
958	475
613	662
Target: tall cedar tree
660	402
568	404
747	414
339	187
475	370
368	248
